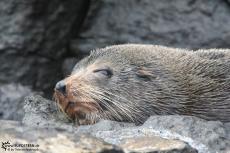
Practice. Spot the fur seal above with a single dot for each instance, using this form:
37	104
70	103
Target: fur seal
132	82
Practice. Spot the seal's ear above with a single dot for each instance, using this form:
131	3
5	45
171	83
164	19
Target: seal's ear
144	73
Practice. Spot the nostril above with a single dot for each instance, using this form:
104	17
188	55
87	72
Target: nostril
61	87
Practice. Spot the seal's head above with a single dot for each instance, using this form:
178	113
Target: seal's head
104	86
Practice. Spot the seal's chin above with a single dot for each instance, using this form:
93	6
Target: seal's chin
75	109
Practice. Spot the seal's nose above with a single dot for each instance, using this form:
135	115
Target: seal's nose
61	87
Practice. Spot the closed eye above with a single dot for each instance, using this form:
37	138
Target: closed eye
107	72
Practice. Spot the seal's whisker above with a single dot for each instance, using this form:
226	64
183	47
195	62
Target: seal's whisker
126	111
101	99
100	96
126	107
107	98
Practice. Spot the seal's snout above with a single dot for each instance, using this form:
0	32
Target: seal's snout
61	87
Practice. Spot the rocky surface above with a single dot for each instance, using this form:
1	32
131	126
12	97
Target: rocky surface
50	140
34	38
181	133
188	24
12	101
155	144
58	140
40	112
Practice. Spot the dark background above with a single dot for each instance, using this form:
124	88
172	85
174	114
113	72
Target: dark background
41	40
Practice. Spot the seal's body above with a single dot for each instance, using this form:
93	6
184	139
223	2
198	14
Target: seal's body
132	82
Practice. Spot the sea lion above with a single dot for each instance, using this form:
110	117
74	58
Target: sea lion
132	82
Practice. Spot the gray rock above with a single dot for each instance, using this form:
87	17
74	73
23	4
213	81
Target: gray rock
55	140
227	127
37	72
206	136
188	24
40	112
155	144
47	140
11	101
34	38
38	26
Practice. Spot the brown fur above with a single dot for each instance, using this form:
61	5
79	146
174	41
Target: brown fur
149	80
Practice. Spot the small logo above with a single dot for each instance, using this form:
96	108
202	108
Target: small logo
4	145
25	147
